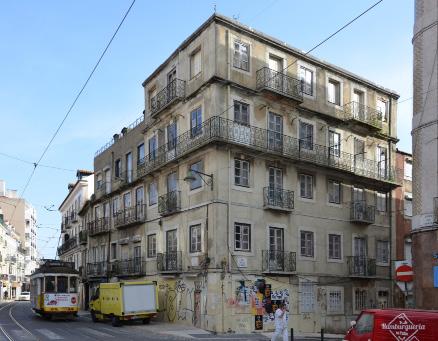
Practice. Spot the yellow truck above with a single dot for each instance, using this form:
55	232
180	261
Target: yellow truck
124	301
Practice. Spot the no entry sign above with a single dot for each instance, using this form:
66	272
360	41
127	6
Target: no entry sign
404	273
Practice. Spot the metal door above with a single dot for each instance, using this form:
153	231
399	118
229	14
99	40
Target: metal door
360	256
359	155
275	132
276	249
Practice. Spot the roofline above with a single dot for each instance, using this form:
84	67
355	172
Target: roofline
279	44
402	152
70	192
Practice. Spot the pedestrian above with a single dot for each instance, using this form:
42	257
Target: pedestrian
280	323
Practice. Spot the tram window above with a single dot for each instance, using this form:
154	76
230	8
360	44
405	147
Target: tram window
50	284
62	284
73	285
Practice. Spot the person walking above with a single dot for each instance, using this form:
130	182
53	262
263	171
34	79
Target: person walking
280	323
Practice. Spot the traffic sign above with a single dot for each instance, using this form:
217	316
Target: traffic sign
404	273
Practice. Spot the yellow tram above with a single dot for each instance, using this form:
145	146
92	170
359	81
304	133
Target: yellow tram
54	289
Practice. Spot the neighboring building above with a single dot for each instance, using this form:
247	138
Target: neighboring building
73	233
247	184
22	216
403	219
425	152
12	261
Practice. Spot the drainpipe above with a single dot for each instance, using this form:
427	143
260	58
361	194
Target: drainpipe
390	205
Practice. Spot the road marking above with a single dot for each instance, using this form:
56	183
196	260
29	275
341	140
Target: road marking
19	325
21	335
49	334
6	334
95	332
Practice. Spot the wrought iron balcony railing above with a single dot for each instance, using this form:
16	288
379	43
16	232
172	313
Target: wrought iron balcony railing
128	267
278	198
361	266
98	226
278	261
268	79
175	90
125	178
71	243
219	129
169	262
357	112
102	188
73	216
169	203
83	237
360	212
97	269
130	216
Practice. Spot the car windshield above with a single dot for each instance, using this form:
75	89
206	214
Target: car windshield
365	324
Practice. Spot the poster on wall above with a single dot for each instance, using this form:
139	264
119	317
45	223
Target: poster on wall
258	322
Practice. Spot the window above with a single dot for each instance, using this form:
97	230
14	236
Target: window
99	182
128	167
276	241
139	196
113	250
408	204
335	246
152	148
334	192
381	200
62	282
334	92
360	299
50	284
195	63
241	112
365	324
242	237
382	252
118	168
196	122
73	289
306	241
197	183
195	238
116	205
335	301
307	297
382	107
408	170
151	96
127	200
140	153
306	186
306	77
152	245
306	135
381	160
335	143
241	172
107	182
171	136
241	56
153	193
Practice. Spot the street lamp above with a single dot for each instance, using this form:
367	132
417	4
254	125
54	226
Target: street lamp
190	177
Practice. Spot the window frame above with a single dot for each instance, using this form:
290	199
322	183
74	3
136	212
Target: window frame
151	252
242	233
241	168
306	297
192	62
336	290
330	257
339	194
195	248
155	183
380	257
306	142
197	129
334	149
381	202
237	55
199	181
306	176
306	254
239	119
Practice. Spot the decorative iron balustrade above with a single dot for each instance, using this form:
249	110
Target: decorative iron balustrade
278	261
130	215
169	262
83	237
175	90
69	244
361	266
103	188
268	79
218	129
125	178
169	203
98	226
360	212
97	269
364	114
73	216
128	267
278	198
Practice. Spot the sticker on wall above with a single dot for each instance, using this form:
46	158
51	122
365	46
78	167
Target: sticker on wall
258	320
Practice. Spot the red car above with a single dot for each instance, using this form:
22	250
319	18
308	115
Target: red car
394	325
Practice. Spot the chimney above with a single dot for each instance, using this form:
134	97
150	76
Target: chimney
124	130
116	137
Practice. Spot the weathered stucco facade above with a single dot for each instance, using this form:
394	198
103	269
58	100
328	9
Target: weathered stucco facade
237	191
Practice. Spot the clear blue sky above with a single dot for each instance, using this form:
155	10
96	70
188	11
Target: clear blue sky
47	49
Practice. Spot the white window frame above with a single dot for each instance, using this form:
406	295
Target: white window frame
234	172
335	260
330	203
249	112
338	151
341	90
303	257
359	289
197	53
307	297
378	259
201	187
149	193
191	224
155	233
339	291
312	142
386	113
312	68
361	89
381	202
232	238
235	40
407	174
312	199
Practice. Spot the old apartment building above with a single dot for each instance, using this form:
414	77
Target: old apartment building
256	175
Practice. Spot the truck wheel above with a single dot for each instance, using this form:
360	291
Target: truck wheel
115	321
93	316
146	320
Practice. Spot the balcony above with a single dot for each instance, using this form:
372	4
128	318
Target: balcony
359	266
73	216
97	269
127	267
278	199
362	213
83	237
130	216
221	130
173	92
170	262
362	114
69	244
99	226
278	261
124	179
102	188
279	83
169	203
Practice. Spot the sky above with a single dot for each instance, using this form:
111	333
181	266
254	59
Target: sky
48	48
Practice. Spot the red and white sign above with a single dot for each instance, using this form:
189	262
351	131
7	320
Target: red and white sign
404	273
402	328
61	300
